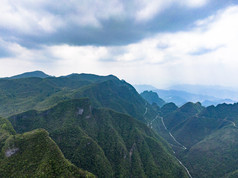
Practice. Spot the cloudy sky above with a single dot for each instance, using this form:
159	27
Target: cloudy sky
157	42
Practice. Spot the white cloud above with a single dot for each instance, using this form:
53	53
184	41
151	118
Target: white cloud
21	17
207	54
215	40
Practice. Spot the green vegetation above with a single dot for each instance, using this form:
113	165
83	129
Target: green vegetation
6	130
23	94
39	74
182	114
102	141
87	130
115	94
168	108
216	155
233	174
211	136
33	154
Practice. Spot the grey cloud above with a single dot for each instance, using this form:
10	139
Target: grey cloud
114	30
5	51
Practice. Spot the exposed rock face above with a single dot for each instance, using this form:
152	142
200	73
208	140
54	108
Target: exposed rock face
131	150
11	151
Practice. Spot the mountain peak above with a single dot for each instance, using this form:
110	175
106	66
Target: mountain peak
191	107
36	73
152	97
91	77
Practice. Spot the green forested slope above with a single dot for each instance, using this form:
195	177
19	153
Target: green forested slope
105	142
19	95
211	136
32	154
216	155
24	94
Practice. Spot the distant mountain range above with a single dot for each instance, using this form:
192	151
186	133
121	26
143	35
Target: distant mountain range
215	91
180	97
141	88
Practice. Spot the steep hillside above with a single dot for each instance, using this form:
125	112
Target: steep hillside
210	137
216	155
233	174
32	154
181	114
20	95
117	95
105	142
6	130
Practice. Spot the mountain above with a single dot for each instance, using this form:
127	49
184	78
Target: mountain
180	94
117	95
152	97
207	139
19	95
216	155
141	88
39	74
217	101
105	92
33	154
215	91
168	108
180	97
102	141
